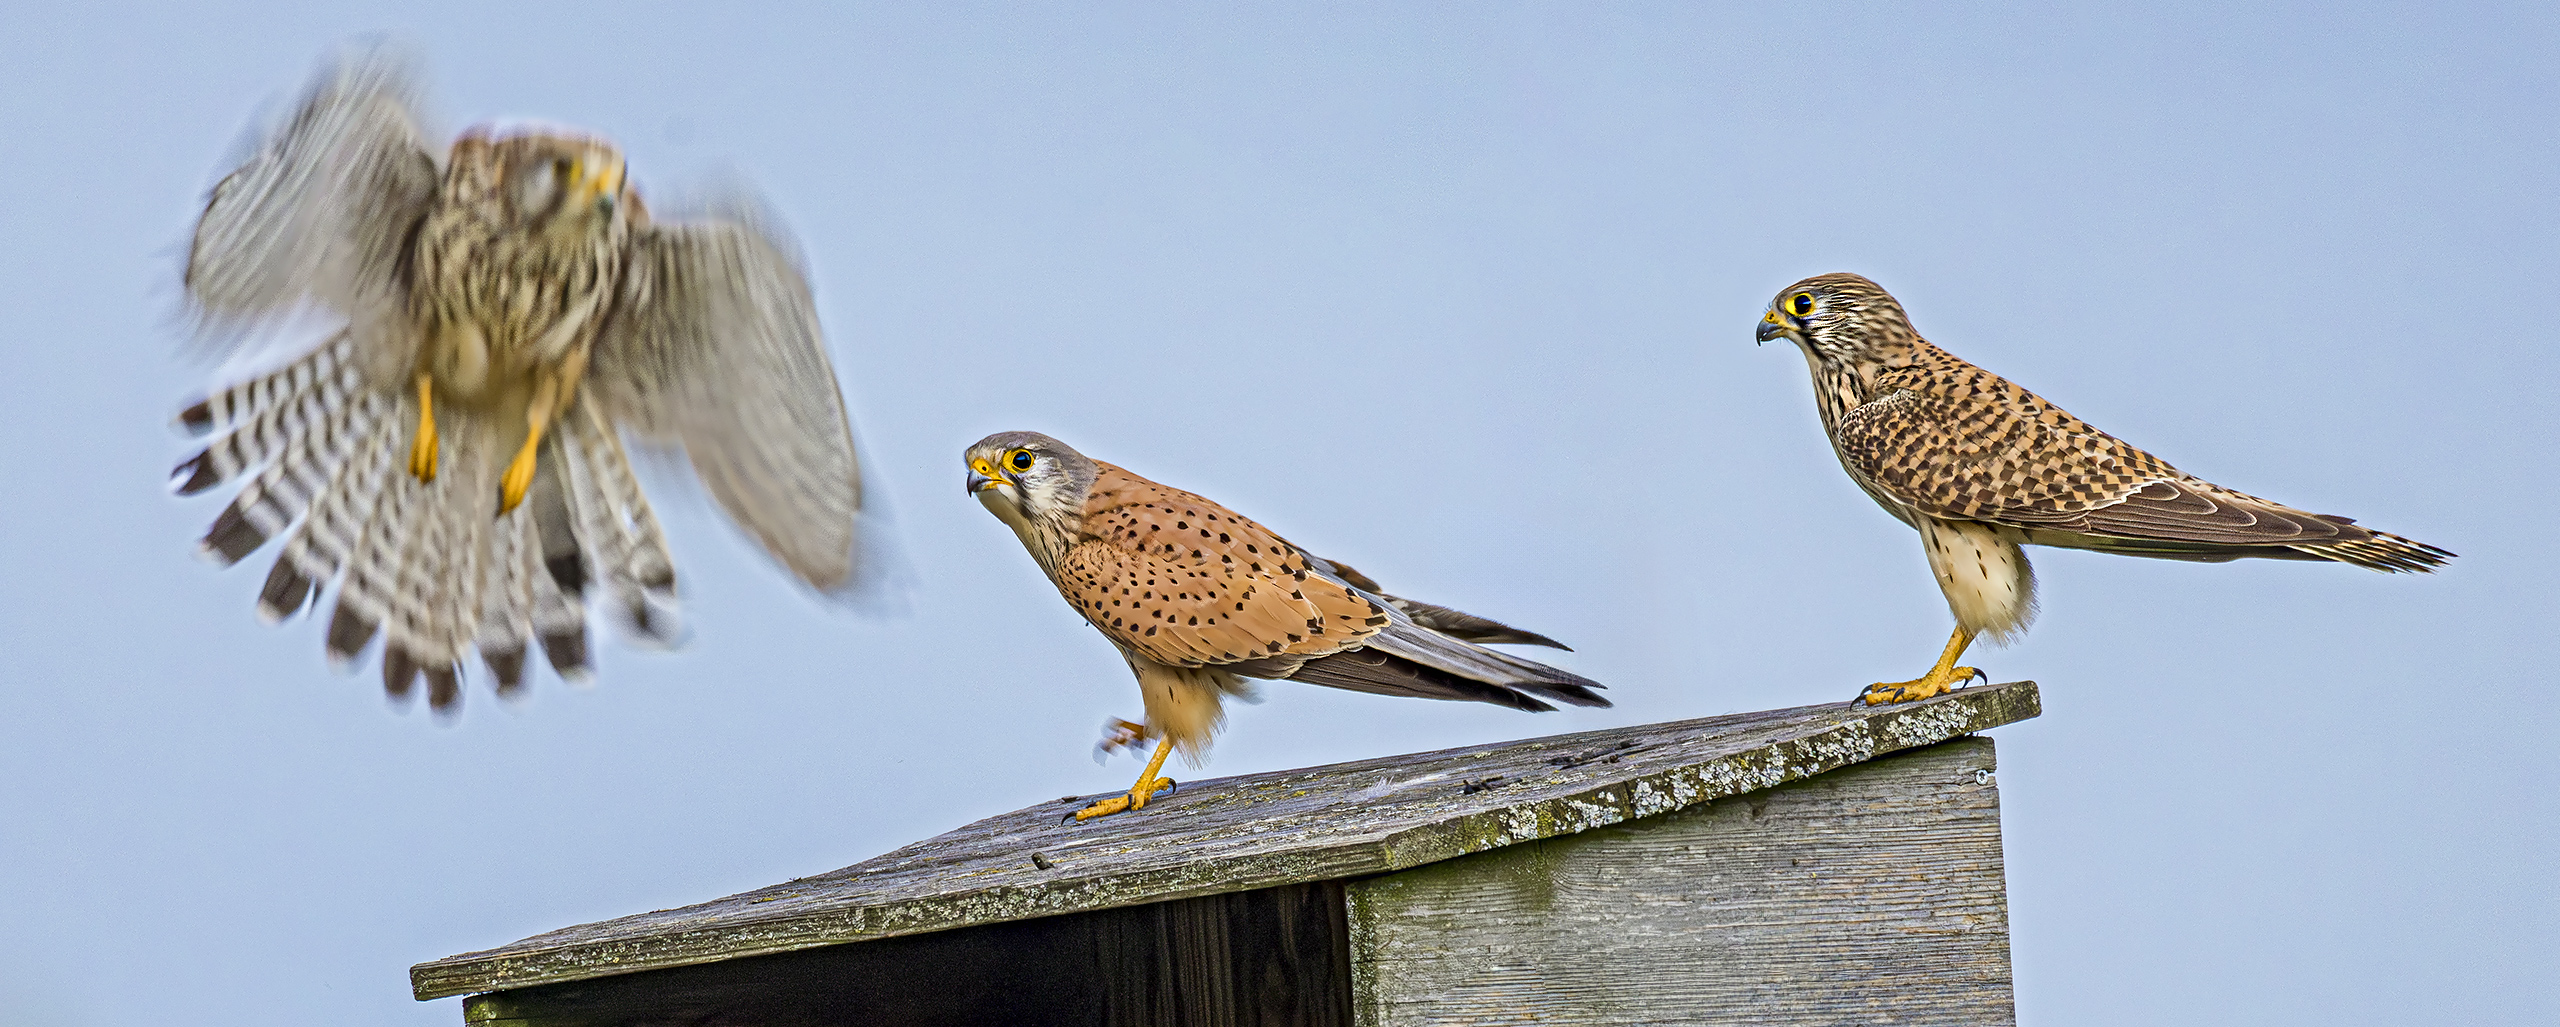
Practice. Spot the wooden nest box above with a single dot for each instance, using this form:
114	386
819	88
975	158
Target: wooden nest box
1829	864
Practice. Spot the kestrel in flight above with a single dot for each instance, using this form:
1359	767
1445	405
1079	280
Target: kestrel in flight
1198	598
453	454
1981	466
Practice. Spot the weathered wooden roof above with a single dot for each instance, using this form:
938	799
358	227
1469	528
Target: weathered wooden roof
1239	833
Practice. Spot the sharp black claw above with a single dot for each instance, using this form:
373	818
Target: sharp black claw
1169	785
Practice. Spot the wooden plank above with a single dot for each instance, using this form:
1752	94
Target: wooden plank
1274	957
1277	957
1244	833
1872	894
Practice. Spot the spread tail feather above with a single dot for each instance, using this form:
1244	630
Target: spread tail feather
415	572
524	598
294	426
624	550
428	567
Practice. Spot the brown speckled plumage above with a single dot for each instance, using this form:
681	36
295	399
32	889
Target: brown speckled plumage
1182	581
1968	457
1198	597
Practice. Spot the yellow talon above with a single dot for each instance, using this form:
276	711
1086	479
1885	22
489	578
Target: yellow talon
1940	679
422	449
519	477
548	397
1146	788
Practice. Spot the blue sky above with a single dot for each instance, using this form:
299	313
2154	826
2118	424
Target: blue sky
1459	294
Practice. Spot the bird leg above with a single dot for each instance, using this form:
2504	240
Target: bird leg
1146	788
1937	681
422	449
552	390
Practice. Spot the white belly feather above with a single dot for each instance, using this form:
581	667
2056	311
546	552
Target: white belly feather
1985	576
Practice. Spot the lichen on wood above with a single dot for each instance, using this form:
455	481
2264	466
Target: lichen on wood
1253	831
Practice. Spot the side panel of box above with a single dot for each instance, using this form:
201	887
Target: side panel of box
1272	957
1872	894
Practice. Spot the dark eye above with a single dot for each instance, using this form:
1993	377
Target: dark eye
1801	304
1021	459
560	170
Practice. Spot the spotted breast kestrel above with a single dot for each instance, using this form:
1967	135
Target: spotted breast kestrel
453	454
1981	466
1198	598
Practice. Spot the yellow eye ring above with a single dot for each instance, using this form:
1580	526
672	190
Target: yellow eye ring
1019	460
1800	304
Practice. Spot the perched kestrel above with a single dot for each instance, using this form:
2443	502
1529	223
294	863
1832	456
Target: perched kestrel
1198	598
1980	466
452	455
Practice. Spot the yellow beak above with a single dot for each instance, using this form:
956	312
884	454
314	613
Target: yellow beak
984	476
1774	325
598	184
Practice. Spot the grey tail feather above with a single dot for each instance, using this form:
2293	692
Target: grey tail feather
264	416
1474	662
1468	627
507	666
444	691
512	562
622	549
1382	673
530	594
1412	635
348	635
408	556
329	530
558	614
2384	552
399	674
399	551
287	591
425	572
566	649
327	367
1454	623
298	467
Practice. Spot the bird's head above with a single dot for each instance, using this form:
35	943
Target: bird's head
1029	481
1841	320
561	182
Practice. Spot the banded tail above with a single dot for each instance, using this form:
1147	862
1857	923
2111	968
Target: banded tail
429	567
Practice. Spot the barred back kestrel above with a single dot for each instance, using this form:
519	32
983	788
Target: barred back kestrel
1198	598
453	454
1981	466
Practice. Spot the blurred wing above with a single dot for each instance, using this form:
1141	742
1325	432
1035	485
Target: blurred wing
321	211
1991	451
714	345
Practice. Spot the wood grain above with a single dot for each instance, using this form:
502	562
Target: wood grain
1869	895
1275	957
1245	833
